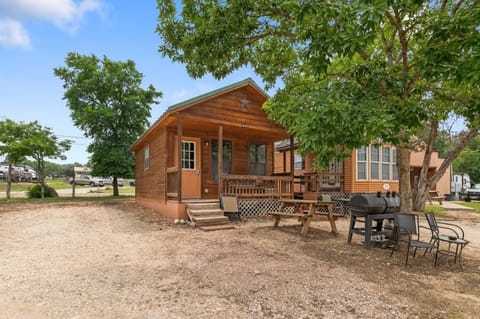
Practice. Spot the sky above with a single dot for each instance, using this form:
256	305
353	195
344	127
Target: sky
37	35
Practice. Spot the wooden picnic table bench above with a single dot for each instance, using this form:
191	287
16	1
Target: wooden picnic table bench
433	195
305	212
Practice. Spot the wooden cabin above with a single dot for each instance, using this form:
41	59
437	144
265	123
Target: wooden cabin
219	142
223	142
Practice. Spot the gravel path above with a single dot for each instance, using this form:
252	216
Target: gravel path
116	260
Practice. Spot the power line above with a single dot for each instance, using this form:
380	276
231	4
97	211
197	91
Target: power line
79	137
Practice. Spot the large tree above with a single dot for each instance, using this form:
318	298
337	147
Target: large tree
41	144
21	140
108	103
352	71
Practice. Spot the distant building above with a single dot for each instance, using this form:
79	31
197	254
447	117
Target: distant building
460	182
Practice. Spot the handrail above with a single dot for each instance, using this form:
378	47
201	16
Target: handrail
252	186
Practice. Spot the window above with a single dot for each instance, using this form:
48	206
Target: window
227	158
146	157
382	163
394	164
362	163
188	155
386	176
374	162
257	159
299	162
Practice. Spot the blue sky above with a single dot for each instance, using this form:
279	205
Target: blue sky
36	36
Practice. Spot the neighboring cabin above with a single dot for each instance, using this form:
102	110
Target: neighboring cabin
224	142
370	169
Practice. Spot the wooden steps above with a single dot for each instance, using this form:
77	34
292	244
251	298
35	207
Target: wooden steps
207	214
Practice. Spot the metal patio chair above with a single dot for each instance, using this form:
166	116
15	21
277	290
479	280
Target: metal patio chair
450	235
407	230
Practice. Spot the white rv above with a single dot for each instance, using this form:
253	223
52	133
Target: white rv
460	182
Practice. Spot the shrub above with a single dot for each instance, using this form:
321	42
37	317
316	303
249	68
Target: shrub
36	191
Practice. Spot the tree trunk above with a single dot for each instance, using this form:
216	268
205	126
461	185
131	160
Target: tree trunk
427	184
423	187
41	175
403	165
115	186
9	181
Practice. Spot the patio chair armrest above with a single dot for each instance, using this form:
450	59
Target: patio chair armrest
457	230
420	227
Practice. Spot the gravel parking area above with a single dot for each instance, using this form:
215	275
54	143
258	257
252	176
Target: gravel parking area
114	259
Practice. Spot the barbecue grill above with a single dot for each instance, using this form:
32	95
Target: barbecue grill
367	208
362	205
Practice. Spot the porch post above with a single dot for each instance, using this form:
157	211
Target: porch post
292	156
179	157
292	164
220	159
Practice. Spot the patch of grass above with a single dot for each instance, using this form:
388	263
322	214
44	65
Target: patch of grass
23	187
67	199
434	208
58	183
475	206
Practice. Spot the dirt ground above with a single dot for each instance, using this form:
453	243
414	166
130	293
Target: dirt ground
117	260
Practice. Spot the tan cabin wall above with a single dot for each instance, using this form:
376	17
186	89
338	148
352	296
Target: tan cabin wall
443	185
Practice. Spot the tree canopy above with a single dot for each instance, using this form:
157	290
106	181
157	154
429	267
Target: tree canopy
108	103
21	140
352	72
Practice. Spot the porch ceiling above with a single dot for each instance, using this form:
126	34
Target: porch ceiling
249	131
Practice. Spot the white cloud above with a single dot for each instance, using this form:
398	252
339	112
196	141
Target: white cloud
65	14
13	34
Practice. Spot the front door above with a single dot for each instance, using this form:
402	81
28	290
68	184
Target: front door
191	173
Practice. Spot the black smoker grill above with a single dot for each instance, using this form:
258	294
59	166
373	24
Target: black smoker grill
369	208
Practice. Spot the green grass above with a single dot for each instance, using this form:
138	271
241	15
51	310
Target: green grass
434	208
61	184
475	206
67	199
22	187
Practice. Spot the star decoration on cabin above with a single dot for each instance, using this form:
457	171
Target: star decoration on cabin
244	103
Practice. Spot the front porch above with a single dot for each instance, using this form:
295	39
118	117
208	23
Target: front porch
258	195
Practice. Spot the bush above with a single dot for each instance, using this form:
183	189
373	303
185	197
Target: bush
36	191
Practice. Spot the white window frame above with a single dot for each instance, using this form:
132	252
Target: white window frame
363	161
394	164
298	162
189	159
375	162
386	163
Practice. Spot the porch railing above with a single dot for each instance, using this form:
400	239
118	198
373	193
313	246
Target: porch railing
249	186
320	182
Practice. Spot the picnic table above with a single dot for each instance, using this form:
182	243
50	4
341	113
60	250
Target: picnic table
433	195
305	211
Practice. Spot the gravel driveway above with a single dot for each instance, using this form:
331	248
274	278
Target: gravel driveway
117	260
